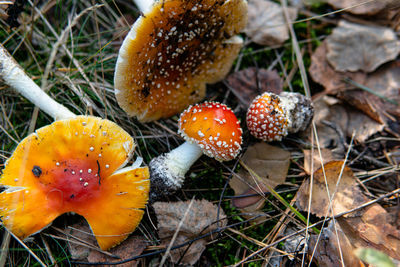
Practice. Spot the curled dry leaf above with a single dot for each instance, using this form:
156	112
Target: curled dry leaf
329	245
266	22
201	219
347	193
80	233
367	8
270	163
247	84
323	73
353	47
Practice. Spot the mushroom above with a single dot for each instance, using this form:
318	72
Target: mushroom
209	128
172	51
271	117
75	165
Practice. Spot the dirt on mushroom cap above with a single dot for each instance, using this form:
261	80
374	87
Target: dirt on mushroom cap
69	166
172	51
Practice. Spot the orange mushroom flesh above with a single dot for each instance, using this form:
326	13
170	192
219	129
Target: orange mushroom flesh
172	51
74	165
214	128
209	128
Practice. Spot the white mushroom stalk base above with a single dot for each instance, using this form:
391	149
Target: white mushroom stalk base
167	172
15	76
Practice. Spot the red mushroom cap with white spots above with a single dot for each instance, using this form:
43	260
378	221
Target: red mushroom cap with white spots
214	127
266	119
172	51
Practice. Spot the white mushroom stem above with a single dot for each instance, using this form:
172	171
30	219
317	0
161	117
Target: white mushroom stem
13	75
168	170
144	5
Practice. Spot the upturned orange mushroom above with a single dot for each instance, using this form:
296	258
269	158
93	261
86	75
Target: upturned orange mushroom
74	165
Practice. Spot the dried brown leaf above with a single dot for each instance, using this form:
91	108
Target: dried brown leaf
251	82
201	219
327	252
313	161
266	22
343	118
384	105
323	73
347	193
376	228
132	246
271	163
354	47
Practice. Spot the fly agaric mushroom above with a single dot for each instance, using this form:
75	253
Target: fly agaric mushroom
172	51
74	165
209	128
271	117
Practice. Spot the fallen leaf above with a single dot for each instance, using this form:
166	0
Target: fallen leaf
313	161
367	8
271	163
201	219
347	193
327	252
323	73
383	102
353	47
266	23
375	228
344	118
251	82
132	246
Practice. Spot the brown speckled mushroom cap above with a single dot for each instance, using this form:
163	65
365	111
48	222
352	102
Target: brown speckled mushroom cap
172	51
74	165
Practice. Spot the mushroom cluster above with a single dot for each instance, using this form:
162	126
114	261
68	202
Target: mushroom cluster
172	51
75	165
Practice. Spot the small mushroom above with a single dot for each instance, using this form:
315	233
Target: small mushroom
209	128
172	51
74	165
271	117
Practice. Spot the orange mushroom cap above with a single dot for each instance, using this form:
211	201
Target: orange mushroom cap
172	51
72	166
266	119
214	128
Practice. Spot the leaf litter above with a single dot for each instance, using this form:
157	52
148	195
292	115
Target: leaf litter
341	68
